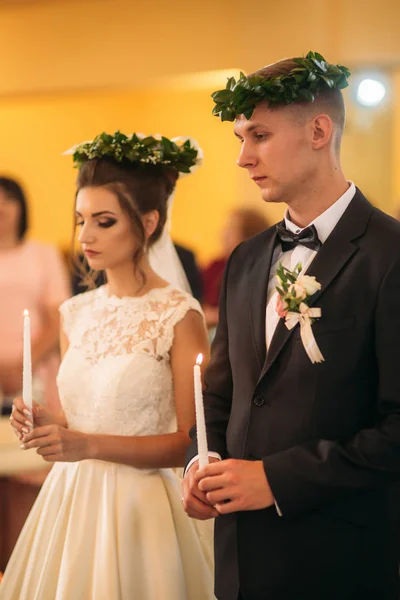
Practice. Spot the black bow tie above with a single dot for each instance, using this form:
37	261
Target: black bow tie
308	237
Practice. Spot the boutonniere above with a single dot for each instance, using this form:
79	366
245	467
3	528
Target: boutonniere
294	294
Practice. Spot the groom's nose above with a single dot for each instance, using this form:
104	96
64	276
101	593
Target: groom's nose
246	157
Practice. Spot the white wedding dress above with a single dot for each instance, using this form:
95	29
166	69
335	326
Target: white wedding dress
101	530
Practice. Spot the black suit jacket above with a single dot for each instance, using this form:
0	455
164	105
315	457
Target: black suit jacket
328	434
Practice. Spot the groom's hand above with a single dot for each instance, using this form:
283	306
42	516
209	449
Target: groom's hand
234	485
194	500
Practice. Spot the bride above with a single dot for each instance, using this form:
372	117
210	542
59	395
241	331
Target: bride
108	522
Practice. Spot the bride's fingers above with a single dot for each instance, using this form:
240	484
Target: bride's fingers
39	442
20	421
18	434
51	450
19	405
17	421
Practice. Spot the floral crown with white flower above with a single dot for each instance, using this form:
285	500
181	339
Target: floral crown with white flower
311	75
180	153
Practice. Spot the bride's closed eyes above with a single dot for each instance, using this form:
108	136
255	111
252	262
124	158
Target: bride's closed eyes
107	223
104	223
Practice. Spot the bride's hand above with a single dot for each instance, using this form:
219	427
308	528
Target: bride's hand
56	443
42	416
21	418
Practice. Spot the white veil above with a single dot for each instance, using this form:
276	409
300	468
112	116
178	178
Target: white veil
163	257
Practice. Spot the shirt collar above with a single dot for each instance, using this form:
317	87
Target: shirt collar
327	221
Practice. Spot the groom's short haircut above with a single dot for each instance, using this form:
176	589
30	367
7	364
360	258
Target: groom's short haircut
328	101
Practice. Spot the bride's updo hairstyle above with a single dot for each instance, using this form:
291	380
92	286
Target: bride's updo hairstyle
141	172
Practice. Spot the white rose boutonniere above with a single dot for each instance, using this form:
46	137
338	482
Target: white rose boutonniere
294	293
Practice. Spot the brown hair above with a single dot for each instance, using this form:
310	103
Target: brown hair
329	101
14	190
139	189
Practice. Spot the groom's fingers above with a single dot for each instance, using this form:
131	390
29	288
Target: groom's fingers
222	495
218	467
195	501
212	483
197	509
213	468
190	485
196	493
229	507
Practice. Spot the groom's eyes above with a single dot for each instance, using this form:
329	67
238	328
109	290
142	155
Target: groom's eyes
259	137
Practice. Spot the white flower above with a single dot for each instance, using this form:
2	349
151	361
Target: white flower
309	284
75	147
298	290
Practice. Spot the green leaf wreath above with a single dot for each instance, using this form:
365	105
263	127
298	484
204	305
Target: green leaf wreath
311	75
181	154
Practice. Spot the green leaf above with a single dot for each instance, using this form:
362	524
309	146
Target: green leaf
319	56
306	94
292	278
310	74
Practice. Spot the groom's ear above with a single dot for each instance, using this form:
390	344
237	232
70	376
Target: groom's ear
322	131
150	221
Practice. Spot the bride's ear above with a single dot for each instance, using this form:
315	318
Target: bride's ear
150	221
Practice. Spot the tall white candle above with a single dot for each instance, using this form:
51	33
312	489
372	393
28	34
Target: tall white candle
27	363
200	421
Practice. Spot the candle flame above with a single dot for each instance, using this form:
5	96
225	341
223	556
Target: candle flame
199	359
26	313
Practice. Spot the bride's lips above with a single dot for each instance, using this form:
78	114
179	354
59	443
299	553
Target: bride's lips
92	253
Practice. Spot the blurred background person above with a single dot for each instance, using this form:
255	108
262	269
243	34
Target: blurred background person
242	224
33	277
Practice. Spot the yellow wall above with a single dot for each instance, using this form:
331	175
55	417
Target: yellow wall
395	179
81	44
367	150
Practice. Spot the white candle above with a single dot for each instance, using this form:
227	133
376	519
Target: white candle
27	363
200	421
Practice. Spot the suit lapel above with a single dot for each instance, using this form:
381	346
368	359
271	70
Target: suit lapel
258	288
328	264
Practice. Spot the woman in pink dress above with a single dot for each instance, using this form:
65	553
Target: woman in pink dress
33	277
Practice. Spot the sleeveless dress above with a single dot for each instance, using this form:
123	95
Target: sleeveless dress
101	530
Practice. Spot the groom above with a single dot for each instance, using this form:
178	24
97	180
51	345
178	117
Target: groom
310	452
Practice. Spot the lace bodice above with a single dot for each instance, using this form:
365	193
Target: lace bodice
116	375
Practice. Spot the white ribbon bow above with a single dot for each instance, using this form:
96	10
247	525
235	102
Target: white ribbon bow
307	337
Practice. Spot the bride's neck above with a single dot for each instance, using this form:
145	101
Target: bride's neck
125	280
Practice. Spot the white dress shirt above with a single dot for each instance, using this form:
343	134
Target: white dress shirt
324	224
